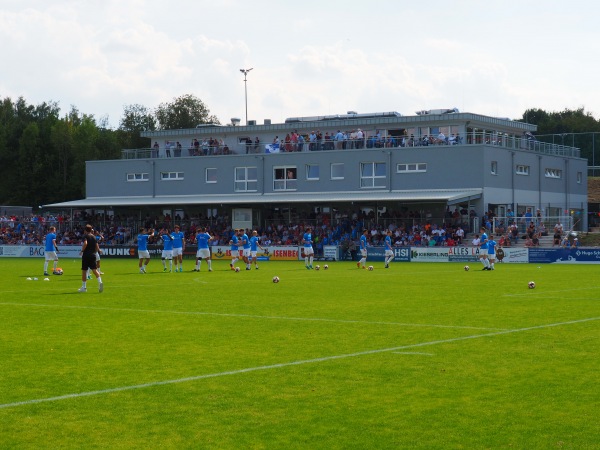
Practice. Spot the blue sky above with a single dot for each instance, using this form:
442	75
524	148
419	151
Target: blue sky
308	57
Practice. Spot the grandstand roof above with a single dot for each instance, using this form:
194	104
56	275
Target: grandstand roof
451	196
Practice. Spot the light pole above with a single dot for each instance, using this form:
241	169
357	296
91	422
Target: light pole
245	72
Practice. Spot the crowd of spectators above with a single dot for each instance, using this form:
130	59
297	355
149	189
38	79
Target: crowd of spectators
409	228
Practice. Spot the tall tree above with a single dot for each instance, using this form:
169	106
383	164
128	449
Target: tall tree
136	118
186	111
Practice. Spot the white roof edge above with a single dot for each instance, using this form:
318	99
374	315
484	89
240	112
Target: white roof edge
450	195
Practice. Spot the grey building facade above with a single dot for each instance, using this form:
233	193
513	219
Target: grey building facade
431	163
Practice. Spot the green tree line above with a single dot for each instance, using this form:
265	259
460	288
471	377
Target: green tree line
43	152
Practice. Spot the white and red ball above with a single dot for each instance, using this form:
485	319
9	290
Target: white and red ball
237	269
317	267
275	279
531	285
325	267
370	268
467	268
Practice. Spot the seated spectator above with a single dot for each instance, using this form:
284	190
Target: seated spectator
556	240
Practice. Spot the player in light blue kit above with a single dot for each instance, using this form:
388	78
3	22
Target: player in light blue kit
143	253
483	250
309	252
167	253
254	245
233	242
203	240
363	250
491	252
178	247
245	252
389	250
50	250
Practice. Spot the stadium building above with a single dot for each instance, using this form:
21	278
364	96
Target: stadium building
423	167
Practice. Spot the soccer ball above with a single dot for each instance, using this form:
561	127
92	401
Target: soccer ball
325	267
58	271
237	269
531	284
466	268
275	279
370	267
317	267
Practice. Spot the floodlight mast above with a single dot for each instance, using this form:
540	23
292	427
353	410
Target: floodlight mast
245	72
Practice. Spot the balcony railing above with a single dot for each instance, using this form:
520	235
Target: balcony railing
527	143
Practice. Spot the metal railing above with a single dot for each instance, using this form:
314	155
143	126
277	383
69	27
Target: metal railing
375	141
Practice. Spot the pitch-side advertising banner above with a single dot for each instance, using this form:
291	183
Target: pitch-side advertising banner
564	255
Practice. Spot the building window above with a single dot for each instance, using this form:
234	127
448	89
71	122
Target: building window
522	169
284	178
494	168
411	167
553	173
211	175
312	172
246	179
171	176
138	177
579	177
373	175
337	171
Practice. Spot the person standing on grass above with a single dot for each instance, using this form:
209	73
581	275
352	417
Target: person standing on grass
167	253
483	250
308	248
363	250
389	251
99	238
202	240
233	248
178	247
491	252
143	253
253	247
89	248
245	252
50	250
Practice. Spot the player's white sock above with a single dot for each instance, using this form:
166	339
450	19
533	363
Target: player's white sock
233	261
306	260
209	262
46	267
164	263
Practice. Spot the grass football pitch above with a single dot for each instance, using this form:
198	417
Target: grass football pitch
415	356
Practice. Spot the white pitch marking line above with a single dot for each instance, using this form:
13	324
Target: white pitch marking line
250	316
552	292
288	364
413	353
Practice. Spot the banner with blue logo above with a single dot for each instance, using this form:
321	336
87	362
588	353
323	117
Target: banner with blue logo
564	255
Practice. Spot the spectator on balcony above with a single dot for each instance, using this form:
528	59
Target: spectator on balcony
312	141
359	138
155	149
300	143
339	140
